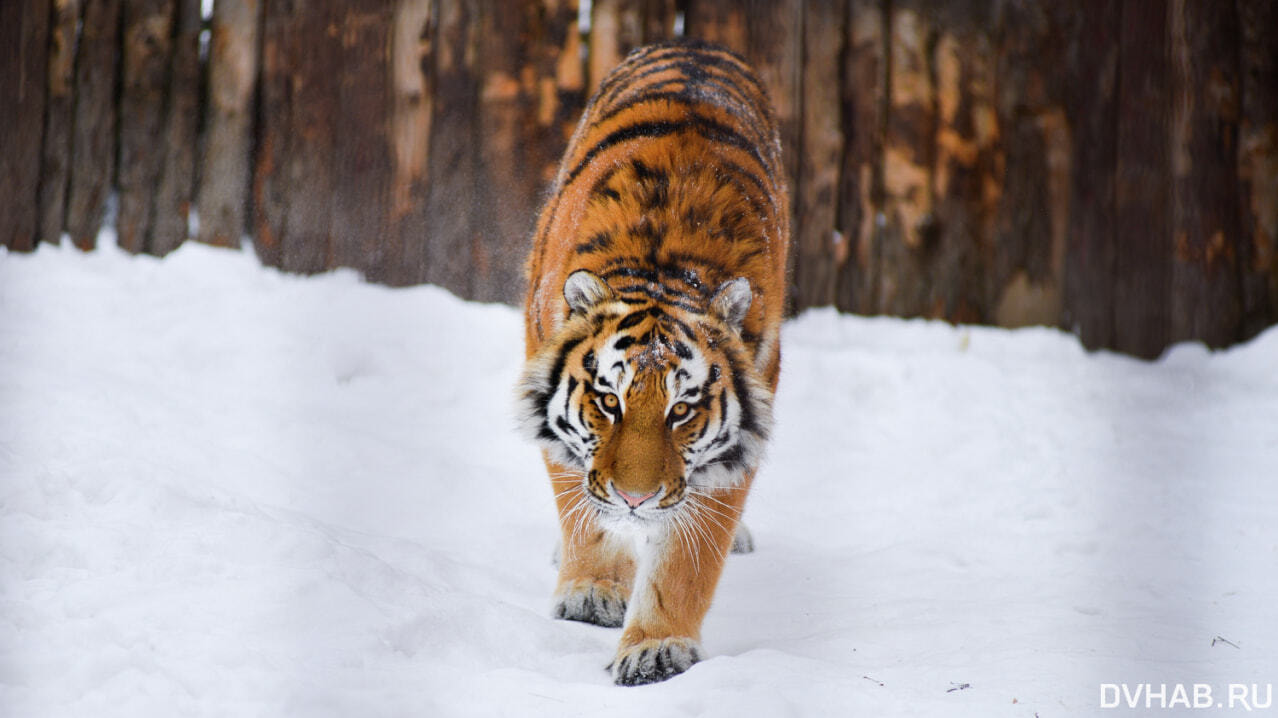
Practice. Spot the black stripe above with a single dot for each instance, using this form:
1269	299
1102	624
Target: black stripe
748	420
683	327
557	368
732	458
645	274
704	126
632	319
659	297
707	90
740	171
566	427
597	243
601	188
693	65
627	68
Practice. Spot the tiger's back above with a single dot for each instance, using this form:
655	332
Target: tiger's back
656	292
671	184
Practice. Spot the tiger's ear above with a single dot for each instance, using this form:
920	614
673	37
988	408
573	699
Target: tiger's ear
584	289
731	302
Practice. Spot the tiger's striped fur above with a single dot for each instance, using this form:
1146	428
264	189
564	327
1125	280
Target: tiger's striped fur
656	293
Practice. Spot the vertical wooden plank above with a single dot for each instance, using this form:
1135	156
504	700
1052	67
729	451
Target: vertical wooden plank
293	186
56	159
412	102
177	175
274	134
819	248
718	21
1026	266
1092	79
147	54
909	234
93	137
315	109
506	150
1206	300
561	79
412	107
864	93
233	72
1142	257
453	171
619	26
526	106
1258	164
966	171
24	65
361	141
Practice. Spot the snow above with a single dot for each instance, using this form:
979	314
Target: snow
228	491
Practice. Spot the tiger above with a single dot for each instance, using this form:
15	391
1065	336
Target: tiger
656	292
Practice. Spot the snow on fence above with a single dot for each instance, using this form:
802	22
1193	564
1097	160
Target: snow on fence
1110	167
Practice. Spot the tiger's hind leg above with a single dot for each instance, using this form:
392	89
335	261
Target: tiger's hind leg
596	571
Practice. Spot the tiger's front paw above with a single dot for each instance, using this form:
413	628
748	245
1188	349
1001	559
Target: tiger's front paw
654	660
602	603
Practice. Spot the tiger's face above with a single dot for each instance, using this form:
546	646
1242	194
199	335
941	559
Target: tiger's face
649	402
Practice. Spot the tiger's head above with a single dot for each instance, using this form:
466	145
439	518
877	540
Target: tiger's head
648	401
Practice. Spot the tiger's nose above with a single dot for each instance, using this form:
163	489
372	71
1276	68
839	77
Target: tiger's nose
633	500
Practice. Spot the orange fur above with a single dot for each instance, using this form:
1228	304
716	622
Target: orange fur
670	193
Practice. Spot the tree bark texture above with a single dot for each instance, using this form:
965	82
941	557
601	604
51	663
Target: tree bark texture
25	62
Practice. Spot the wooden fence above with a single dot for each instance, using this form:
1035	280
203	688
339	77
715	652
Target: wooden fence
1108	166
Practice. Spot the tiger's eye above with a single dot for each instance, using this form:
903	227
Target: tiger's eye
680	409
611	401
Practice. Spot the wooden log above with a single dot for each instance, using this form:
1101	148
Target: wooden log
294	176
1206	300
1092	78
864	93
966	171
908	235
412	109
524	119
1025	270
59	109
1142	256
174	194
24	66
93	136
619	26
225	165
147	45
453	171
561	77
1258	165
819	248
274	135
362	163
505	152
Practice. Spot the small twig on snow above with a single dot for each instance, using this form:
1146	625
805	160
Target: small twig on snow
873	679
959	686
1226	641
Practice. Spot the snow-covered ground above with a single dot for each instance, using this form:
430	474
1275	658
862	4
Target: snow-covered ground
225	491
